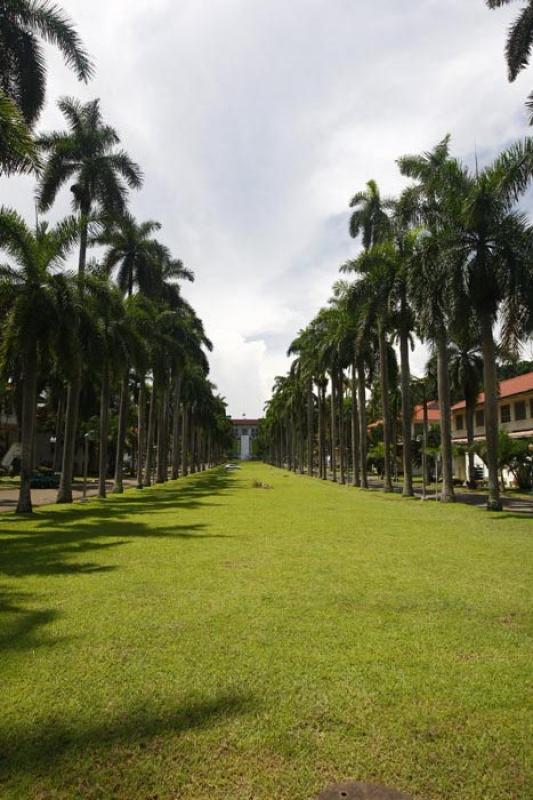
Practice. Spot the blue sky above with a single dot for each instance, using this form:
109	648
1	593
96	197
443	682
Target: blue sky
256	120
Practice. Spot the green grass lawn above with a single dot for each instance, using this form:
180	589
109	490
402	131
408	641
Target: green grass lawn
214	640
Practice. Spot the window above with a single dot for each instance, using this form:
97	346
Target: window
460	422
520	410
505	413
480	419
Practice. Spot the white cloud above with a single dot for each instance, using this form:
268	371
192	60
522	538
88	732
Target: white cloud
256	120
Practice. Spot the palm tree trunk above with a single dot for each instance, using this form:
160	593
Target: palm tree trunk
407	414
490	381
301	443
161	434
470	412
342	437
333	463
118	487
150	439
385	405
184	440
176	428
84	235
29	396
141	433
64	494
310	429
425	444
104	428
59	425
443	380
320	432
356	477
363	433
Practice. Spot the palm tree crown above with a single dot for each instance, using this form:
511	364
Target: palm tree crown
87	154
22	65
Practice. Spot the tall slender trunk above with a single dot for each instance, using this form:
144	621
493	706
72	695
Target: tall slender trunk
59	425
141	432
301	443
385	404
407	413
192	441
104	429
470	412
333	429
363	433
176	427
425	443
118	486
356	475
492	428
310	428
161	434
448	495
84	235
342	438
64	494
185	440
394	439
150	439
29	398
321	437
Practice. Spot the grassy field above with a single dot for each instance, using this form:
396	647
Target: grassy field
214	640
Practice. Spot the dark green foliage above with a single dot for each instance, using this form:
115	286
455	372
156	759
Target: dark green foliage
24	25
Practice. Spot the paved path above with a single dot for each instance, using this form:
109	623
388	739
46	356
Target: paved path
45	497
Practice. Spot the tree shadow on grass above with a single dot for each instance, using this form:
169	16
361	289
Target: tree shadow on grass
50	542
25	751
20	626
55	541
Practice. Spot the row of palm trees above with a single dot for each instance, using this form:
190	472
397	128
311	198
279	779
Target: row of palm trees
117	329
450	261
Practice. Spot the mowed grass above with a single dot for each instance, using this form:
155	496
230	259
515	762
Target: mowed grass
214	640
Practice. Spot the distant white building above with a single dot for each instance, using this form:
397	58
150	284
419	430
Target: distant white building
244	431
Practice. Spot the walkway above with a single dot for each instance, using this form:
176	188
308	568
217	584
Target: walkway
46	497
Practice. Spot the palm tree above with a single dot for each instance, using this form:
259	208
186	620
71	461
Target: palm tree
17	148
370	219
491	251
132	252
24	25
466	376
86	153
440	187
372	295
111	339
306	365
38	308
519	41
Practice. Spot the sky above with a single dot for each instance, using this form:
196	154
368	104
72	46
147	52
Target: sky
255	121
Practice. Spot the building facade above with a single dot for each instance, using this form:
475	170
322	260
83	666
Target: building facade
515	416
245	431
